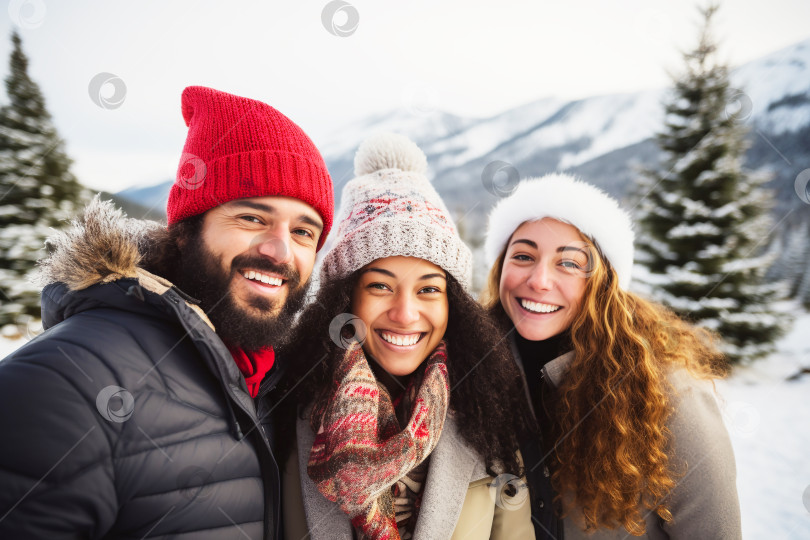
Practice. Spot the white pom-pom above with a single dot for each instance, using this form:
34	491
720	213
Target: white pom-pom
389	151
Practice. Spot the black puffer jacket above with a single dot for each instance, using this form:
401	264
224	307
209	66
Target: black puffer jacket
128	418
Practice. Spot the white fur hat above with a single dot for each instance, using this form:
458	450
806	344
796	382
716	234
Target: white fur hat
392	209
560	196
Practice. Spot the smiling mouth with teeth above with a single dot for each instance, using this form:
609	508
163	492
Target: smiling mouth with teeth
401	339
538	307
263	278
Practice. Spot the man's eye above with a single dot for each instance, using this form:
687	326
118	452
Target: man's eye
251	219
303	232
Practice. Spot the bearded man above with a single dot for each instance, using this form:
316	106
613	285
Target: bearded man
143	410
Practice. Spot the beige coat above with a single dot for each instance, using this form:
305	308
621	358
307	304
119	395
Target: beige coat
457	502
704	503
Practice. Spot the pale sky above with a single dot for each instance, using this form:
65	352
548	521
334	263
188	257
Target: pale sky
461	56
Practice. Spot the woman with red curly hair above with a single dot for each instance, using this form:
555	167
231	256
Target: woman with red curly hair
633	441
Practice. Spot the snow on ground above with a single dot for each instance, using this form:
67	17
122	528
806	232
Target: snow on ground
7	346
768	419
769	424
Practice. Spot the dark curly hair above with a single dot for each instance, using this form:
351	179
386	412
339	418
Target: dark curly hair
486	390
160	250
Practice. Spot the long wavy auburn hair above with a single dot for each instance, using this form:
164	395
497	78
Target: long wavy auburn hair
486	395
610	439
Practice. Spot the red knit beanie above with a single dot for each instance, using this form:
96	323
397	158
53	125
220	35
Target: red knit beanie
238	148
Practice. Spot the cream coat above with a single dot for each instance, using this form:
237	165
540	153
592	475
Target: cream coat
457	503
704	503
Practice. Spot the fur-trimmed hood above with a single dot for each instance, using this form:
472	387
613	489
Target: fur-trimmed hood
103	245
100	246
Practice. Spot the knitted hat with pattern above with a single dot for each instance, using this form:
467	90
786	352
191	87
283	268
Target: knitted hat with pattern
562	197
392	209
238	148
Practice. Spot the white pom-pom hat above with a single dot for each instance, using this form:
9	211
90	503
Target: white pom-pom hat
562	197
392	209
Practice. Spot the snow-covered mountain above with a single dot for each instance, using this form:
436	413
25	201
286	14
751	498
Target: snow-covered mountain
154	197
604	138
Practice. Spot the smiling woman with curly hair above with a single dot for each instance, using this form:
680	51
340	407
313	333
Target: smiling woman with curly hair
409	407
632	436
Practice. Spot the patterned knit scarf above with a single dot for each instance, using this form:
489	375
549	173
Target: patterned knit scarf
359	450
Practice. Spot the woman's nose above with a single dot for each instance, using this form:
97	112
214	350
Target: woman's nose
540	278
404	311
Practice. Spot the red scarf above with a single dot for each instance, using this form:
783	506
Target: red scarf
254	365
360	451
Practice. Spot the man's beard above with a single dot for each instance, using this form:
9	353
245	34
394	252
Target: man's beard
204	276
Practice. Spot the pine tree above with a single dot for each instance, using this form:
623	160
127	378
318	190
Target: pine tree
803	291
704	218
792	257
37	190
799	261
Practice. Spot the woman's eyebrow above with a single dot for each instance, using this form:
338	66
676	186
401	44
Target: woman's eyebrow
524	241
393	275
380	270
571	248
